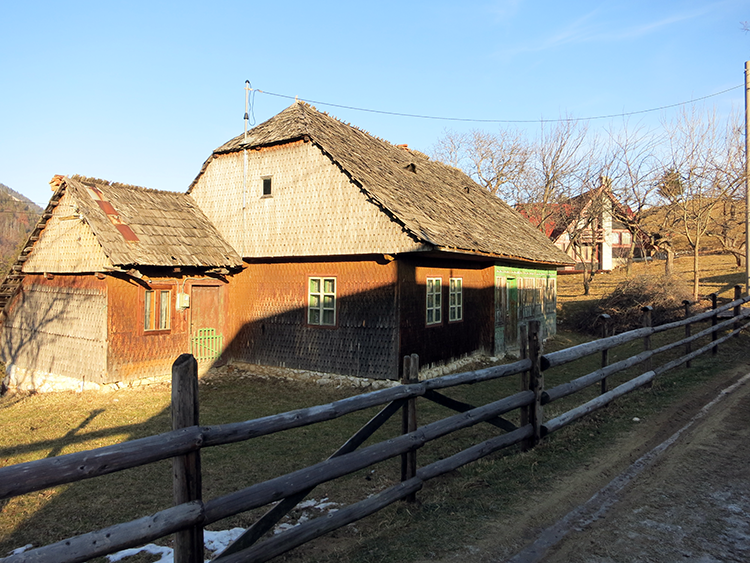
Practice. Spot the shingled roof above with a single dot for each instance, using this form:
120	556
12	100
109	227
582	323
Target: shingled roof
436	203
141	227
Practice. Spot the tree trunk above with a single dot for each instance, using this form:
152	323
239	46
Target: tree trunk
695	273
669	264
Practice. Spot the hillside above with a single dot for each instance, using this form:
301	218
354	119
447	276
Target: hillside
18	215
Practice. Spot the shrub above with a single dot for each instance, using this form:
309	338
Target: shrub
664	293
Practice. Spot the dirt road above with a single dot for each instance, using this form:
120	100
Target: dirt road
686	498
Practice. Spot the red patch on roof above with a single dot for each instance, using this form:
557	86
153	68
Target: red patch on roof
127	233
107	207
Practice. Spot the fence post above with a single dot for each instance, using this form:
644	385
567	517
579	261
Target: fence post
714	321
688	331
646	321
524	353
604	317
536	383
409	421
186	469
737	308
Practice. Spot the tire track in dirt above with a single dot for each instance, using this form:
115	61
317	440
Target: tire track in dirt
687	499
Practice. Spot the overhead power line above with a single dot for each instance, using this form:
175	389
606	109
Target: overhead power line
438	118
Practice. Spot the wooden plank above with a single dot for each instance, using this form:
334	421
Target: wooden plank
459	406
409	420
40	474
286	485
477	376
240	431
270	518
714	320
536	383
303	533
114	538
565	389
554	359
186	469
688	329
702	350
596	403
573	353
474	453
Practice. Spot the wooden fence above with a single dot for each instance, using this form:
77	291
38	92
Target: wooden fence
183	444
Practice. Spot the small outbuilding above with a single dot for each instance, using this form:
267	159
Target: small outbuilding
115	282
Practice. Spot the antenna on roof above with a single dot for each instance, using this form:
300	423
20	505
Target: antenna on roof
247	104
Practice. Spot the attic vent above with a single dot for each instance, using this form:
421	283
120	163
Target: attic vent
467	189
411	167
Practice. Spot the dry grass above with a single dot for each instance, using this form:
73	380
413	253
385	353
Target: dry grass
718	273
452	508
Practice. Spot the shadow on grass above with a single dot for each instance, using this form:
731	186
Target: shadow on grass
725	281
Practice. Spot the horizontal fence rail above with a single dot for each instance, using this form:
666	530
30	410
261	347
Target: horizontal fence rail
283	493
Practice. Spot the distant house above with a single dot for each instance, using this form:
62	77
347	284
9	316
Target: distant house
102	290
307	244
593	228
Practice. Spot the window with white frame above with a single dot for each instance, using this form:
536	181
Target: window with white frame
321	302
434	301
157	308
456	299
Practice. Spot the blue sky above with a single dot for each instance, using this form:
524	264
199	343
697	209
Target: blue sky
142	92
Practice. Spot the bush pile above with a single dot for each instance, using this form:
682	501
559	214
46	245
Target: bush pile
664	293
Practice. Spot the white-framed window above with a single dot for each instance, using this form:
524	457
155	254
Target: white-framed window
434	301
157	309
321	301
455	299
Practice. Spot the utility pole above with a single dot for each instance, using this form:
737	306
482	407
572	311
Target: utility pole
747	177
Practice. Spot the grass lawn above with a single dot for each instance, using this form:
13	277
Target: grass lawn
451	510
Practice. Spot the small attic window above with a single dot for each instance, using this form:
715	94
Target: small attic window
411	167
267	186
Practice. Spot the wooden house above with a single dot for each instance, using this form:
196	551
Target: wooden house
304	243
114	283
359	251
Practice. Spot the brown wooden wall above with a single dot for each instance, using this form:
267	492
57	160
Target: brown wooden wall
267	321
447	340
136	353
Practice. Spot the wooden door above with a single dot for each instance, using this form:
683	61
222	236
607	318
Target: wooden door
511	314
206	340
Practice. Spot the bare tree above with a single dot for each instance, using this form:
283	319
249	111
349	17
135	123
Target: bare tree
703	169
558	161
496	161
634	178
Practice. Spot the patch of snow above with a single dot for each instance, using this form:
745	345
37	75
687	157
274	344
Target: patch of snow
167	554
217	542
21	549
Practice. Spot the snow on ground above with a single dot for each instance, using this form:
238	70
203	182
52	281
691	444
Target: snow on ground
217	542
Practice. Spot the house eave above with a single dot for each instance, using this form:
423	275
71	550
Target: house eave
482	255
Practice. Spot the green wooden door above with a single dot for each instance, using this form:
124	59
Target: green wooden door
511	314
